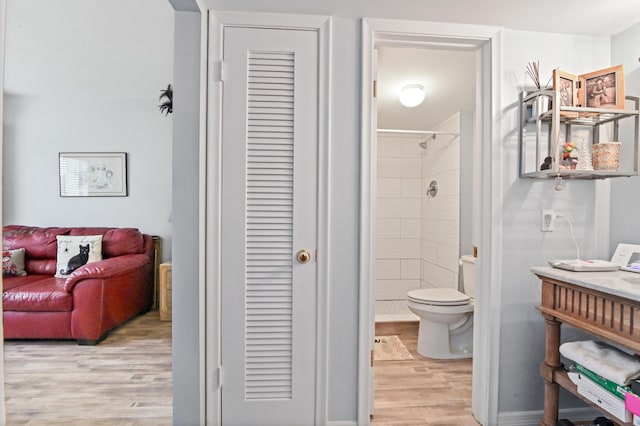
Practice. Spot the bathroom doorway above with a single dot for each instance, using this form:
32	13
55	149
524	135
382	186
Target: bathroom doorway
423	221
485	43
424	173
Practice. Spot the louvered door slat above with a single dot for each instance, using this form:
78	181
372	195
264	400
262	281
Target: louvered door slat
268	309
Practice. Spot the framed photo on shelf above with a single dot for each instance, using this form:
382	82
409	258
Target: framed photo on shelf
602	89
93	174
567	85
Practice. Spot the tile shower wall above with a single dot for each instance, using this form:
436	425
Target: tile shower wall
399	187
440	218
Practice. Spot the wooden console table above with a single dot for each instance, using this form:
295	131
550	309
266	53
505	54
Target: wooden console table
605	304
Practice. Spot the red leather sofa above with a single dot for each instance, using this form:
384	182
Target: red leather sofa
89	302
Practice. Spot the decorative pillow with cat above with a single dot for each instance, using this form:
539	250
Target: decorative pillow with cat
13	263
75	251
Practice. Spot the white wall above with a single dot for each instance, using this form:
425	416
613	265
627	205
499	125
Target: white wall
418	237
86	76
522	327
624	200
440	220
398	215
466	182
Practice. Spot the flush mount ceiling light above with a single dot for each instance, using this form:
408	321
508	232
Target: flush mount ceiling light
412	95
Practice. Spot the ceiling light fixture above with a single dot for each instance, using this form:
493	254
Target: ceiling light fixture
412	95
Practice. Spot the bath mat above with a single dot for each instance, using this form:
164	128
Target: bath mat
390	348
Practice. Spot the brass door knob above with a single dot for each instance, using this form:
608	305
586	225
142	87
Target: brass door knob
303	256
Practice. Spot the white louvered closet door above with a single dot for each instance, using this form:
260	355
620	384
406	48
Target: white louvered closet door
269	214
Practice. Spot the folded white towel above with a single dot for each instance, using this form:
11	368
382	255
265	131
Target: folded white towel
604	360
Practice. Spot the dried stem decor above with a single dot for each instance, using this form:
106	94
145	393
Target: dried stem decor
533	71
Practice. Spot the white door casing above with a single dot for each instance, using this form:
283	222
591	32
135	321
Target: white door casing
269	194
487	187
374	190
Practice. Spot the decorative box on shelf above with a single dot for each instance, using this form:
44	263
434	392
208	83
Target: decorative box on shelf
560	141
601	397
632	404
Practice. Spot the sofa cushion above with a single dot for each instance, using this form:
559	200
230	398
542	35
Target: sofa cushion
76	251
115	241
36	293
41	266
39	243
13	263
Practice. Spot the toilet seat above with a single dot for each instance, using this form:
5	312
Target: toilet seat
439	297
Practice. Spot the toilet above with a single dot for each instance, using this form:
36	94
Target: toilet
446	317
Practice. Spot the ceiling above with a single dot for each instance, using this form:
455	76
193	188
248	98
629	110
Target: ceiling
592	17
448	75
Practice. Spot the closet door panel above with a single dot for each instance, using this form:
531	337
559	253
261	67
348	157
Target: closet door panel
269	215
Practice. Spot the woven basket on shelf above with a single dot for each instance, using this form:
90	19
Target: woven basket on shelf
606	155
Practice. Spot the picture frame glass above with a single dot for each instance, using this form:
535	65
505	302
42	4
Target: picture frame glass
93	174
601	91
603	88
566	85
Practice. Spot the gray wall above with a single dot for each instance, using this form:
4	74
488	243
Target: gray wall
86	76
185	188
344	220
524	245
625	193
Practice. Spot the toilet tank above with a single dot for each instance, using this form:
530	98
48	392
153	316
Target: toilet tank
468	274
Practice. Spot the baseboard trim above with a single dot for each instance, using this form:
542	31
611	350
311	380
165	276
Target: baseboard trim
520	418
532	418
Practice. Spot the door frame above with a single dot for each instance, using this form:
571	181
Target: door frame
2	41
211	341
487	225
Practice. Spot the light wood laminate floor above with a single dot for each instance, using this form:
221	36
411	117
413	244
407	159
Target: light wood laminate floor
124	380
421	391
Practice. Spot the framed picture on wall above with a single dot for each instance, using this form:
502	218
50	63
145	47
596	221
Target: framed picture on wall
603	88
93	174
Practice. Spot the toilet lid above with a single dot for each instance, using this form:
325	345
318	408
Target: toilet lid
438	296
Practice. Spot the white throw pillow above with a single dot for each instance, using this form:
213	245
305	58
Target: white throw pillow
75	251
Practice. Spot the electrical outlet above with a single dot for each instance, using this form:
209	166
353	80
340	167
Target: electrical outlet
548	220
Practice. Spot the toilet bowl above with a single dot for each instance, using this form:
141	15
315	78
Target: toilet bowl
446	317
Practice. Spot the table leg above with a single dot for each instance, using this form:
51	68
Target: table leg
549	365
